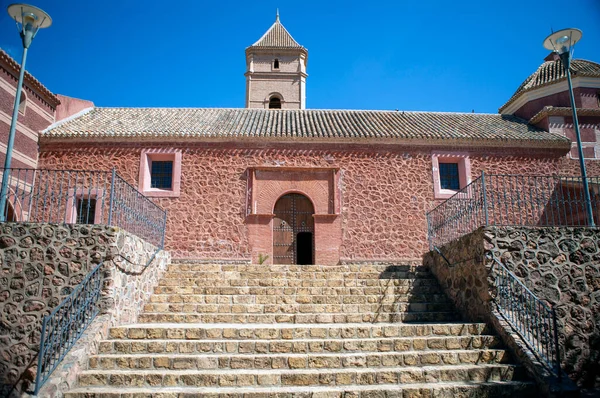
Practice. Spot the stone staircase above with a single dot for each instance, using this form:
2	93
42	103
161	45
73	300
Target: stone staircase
287	330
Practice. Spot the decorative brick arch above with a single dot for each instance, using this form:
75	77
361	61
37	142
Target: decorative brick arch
320	185
293	191
270	192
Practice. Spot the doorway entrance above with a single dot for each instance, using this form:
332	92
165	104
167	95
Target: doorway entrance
293	230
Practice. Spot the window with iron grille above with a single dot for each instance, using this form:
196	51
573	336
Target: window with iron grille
86	211
161	174
449	178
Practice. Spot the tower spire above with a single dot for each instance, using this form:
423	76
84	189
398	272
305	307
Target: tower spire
277	16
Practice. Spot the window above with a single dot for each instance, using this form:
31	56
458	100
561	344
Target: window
160	172
85	205
161	175
276	64
86	211
9	212
449	176
22	103
451	172
274	103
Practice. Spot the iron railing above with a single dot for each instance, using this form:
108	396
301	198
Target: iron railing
512	200
66	323
78	197
83	197
134	212
533	319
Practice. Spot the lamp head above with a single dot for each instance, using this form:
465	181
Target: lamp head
562	41
30	18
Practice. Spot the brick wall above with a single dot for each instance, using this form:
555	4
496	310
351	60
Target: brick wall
38	115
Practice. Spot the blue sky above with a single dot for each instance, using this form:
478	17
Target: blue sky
423	55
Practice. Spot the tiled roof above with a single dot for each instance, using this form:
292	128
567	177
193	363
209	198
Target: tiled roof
277	37
563	111
14	67
551	72
300	125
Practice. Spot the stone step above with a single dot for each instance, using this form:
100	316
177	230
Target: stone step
299	346
297	308
294	299
200	331
300	377
420	286
258	282
219	275
370	360
416	267
243	318
500	389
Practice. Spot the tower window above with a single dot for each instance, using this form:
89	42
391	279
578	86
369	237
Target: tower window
274	103
276	64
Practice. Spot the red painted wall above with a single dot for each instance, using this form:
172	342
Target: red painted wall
584	98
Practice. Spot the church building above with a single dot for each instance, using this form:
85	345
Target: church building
297	254
278	183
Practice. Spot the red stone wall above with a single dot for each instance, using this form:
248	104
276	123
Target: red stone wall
384	191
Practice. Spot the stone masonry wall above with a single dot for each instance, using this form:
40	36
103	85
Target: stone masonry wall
465	281
385	190
560	265
40	264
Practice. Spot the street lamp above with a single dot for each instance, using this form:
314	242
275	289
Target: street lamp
562	42
29	20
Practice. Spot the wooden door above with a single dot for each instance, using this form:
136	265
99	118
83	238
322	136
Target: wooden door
293	215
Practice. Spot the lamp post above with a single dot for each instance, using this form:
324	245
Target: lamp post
562	42
29	20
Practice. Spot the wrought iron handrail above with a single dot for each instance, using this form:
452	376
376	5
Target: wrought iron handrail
83	197
533	319
79	197
136	213
66	323
453	217
511	200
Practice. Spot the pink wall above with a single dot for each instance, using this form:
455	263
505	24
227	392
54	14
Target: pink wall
70	106
384	191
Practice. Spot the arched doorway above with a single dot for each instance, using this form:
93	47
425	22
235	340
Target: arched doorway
293	230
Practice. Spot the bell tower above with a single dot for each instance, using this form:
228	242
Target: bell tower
276	71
